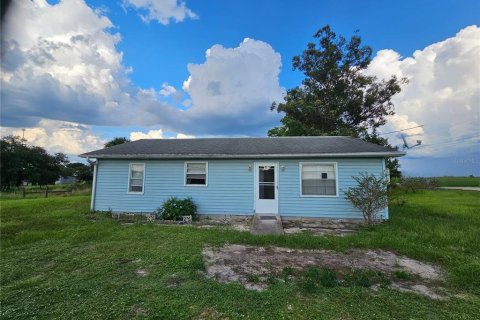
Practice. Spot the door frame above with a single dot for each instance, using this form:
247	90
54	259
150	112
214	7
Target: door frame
256	164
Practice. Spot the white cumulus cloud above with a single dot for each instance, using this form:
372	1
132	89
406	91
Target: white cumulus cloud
59	136
236	86
443	94
163	11
152	134
158	134
184	136
64	65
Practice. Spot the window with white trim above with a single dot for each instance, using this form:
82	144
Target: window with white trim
318	179
136	178
196	173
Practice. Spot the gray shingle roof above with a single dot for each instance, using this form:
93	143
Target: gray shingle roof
281	147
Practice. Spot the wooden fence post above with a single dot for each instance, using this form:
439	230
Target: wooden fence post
46	192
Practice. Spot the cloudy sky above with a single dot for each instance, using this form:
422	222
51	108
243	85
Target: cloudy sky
75	74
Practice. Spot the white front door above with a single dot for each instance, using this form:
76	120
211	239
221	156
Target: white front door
266	187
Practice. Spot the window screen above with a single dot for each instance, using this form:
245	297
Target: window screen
196	173
318	179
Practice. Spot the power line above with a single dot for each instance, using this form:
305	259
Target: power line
382	134
451	143
457	139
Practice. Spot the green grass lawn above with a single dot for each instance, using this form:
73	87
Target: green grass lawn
459	181
59	261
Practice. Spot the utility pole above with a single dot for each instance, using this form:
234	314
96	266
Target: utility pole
23	134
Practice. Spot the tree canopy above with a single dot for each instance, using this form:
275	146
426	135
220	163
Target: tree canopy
81	171
337	96
24	163
21	162
116	141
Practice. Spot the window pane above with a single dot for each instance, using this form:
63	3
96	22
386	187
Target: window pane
137	171
196	179
136	188
137	167
319	179
196	173
137	174
310	171
136	178
266	174
196	167
319	187
136	182
266	191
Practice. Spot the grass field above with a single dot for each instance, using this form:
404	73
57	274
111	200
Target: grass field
459	181
60	261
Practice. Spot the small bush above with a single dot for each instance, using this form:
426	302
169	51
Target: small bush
419	183
174	209
370	195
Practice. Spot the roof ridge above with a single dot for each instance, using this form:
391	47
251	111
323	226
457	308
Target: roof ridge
212	138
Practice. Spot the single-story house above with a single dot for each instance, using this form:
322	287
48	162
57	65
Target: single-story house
66	180
289	176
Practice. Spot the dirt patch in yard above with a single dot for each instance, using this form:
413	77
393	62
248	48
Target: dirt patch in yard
321	227
238	223
254	267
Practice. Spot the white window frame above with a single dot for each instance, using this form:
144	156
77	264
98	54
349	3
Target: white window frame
301	164
130	176
185	184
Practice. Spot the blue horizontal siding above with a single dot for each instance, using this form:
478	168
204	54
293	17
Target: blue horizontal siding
292	204
230	187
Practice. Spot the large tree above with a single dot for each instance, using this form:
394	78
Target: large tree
337	96
21	162
116	141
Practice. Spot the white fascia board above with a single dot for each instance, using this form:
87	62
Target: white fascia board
248	156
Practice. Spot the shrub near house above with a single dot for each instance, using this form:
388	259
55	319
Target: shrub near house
174	209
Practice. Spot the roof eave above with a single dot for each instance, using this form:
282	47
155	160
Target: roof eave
245	156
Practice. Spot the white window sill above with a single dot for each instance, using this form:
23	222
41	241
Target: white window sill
318	196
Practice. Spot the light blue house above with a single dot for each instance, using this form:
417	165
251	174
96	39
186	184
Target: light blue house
289	176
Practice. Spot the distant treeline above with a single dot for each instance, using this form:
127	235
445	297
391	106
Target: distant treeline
22	163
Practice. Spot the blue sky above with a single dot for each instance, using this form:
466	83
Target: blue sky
161	53
80	73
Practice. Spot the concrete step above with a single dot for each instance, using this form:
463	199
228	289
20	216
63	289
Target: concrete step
266	224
